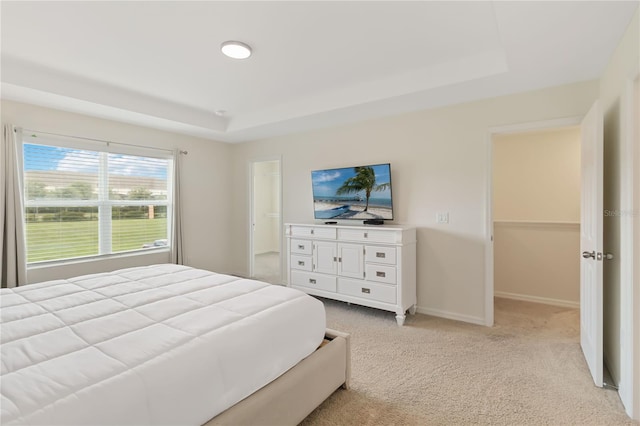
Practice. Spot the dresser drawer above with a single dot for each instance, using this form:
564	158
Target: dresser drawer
380	273
303	263
314	231
366	234
376	254
317	281
301	246
367	290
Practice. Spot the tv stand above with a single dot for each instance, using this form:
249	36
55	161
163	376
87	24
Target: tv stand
373	267
373	222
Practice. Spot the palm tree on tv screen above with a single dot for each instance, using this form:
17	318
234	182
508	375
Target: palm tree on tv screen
364	180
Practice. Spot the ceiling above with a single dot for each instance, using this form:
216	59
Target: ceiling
314	64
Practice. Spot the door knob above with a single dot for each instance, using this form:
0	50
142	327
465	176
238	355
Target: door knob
587	254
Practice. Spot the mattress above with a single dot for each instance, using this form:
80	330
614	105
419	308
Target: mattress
163	344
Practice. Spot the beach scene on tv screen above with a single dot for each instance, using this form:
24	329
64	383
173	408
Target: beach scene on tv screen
353	193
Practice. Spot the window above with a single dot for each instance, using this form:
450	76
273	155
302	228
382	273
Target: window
85	202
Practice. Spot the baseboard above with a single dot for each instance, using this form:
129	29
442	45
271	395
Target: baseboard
450	315
537	299
234	274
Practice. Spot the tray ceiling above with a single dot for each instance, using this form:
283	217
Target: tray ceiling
314	64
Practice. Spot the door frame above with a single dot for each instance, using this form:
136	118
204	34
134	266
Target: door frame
629	380
630	279
250	232
489	256
634	140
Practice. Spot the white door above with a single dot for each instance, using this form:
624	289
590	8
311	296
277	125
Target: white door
591	241
324	257
351	260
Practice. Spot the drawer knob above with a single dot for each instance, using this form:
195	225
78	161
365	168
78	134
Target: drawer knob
382	255
380	274
366	290
300	263
300	247
312	281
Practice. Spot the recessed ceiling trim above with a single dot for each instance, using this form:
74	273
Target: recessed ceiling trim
21	79
78	106
473	67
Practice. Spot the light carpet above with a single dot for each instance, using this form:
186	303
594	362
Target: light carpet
266	267
526	370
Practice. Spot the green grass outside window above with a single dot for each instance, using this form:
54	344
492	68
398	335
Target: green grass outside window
65	240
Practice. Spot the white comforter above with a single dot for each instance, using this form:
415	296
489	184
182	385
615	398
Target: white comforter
163	344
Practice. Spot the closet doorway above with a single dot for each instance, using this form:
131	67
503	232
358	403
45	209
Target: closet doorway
536	216
265	261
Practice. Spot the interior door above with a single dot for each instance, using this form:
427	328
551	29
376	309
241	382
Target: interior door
591	241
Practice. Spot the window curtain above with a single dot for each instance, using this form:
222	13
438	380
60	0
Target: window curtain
12	233
177	250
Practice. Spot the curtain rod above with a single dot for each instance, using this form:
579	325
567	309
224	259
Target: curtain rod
103	141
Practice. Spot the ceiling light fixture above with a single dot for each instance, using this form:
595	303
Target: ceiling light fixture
236	49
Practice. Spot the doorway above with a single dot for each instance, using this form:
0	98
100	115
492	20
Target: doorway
536	216
628	373
591	231
489	216
266	223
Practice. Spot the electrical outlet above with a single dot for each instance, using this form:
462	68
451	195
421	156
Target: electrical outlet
442	217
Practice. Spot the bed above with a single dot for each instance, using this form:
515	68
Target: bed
165	344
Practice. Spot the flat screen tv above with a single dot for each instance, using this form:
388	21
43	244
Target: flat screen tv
360	193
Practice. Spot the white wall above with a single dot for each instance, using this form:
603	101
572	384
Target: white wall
205	187
536	210
439	164
537	262
618	286
536	176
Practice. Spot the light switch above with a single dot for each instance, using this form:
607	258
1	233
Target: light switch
442	217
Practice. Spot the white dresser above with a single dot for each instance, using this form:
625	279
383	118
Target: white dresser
367	265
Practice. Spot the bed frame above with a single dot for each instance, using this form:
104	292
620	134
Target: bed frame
291	397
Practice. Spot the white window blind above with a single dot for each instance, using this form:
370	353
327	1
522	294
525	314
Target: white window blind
82	202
